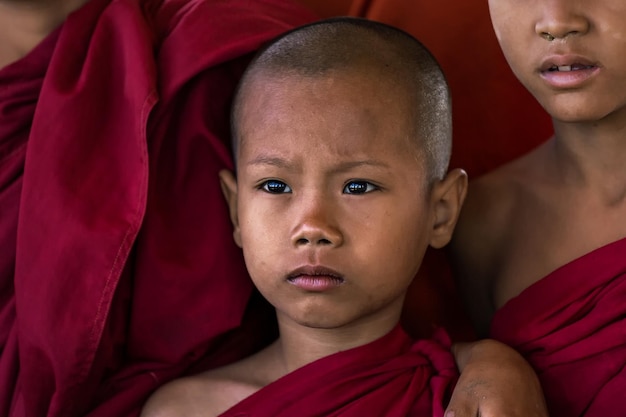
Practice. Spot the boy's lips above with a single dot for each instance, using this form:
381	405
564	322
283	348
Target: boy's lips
555	62
567	71
315	278
571	67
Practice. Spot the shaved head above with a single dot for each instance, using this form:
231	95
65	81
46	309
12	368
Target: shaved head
351	44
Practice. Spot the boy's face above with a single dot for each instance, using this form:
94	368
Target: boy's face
331	205
586	39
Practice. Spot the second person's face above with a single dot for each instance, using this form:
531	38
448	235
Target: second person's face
568	53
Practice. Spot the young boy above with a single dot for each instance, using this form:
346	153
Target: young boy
541	242
341	138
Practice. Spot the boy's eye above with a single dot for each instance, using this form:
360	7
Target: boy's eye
275	187
359	187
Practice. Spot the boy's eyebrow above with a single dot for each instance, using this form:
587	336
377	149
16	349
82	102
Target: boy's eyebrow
348	165
270	160
342	167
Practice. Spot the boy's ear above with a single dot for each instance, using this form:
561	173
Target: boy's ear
448	196
229	189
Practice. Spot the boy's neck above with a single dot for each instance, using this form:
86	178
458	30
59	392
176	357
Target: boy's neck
25	23
298	345
591	154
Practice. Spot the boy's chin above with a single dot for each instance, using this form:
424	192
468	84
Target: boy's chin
572	111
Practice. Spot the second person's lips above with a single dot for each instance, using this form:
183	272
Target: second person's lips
566	63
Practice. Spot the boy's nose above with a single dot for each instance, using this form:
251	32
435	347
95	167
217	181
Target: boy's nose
560	19
317	235
317	227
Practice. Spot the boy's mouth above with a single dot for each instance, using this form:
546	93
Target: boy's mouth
567	63
315	278
568	71
568	68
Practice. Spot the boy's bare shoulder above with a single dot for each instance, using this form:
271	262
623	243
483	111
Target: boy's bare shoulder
495	199
486	229
207	394
485	220
181	397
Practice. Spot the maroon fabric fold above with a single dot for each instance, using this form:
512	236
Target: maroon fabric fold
571	326
393	376
20	84
125	274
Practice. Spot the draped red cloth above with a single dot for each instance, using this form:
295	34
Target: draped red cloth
393	376
571	326
117	266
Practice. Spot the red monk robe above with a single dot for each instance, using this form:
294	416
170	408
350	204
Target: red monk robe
393	376
571	326
117	267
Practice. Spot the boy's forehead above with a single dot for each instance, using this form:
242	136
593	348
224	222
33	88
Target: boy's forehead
357	85
342	110
350	92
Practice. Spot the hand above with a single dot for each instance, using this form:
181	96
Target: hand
495	381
